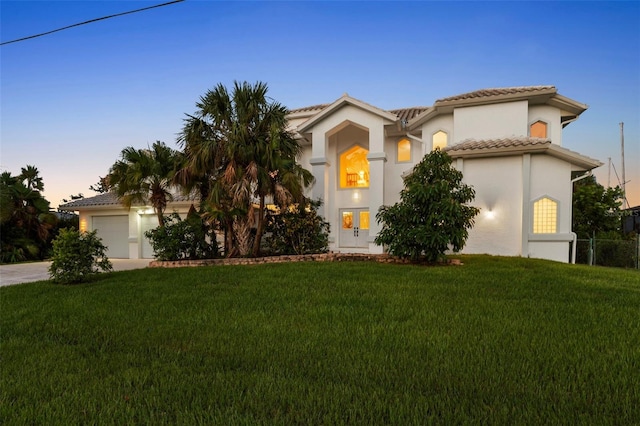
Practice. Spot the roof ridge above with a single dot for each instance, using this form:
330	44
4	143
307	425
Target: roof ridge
497	91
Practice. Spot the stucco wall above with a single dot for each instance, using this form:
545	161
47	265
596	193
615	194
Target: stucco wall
442	122
498	186
490	121
552	177
394	170
549	115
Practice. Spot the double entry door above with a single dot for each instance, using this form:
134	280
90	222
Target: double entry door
354	227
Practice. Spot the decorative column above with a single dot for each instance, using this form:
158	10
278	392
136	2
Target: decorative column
526	204
320	169
377	158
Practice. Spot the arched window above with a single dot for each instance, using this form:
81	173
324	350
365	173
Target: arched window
538	129
439	140
545	216
404	151
354	168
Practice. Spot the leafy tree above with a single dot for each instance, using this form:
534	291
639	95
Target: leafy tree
26	222
77	256
596	209
432	214
239	153
145	176
297	230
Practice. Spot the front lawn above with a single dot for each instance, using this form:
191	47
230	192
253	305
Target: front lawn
498	340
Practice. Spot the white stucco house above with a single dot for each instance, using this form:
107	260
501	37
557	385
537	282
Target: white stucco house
506	141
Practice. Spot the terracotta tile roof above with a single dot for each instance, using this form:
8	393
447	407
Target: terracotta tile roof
510	142
108	199
518	145
406	114
318	107
402	113
485	93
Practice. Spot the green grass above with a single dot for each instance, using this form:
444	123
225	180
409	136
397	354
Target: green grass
498	340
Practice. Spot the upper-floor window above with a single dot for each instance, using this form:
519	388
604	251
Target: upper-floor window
354	168
545	216
404	151
538	129
439	140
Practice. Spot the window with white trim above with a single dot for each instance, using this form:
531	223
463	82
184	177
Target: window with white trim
538	129
439	140
404	150
354	168
545	216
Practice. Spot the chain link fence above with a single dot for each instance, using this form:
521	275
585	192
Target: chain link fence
604	252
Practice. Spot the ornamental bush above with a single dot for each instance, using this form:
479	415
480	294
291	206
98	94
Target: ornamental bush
76	256
432	215
183	239
297	231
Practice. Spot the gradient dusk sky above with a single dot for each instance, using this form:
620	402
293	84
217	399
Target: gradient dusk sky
72	100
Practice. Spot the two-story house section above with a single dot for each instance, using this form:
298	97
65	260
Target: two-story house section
507	142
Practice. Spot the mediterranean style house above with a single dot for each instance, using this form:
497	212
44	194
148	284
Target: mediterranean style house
506	141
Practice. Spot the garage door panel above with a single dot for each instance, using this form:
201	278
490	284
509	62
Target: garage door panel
114	232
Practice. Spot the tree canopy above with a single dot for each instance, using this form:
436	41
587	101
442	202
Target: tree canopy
432	214
238	153
596	209
26	222
145	176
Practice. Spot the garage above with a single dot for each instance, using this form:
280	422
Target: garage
114	232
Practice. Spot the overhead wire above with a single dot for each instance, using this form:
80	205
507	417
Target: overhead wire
90	21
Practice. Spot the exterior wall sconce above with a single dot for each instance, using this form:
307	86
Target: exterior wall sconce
356	196
490	214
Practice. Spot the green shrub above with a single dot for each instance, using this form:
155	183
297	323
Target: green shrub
432	215
76	256
183	239
298	231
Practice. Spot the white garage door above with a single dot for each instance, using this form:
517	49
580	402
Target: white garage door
114	232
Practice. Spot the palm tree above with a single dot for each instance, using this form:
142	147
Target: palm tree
31	175
25	218
145	176
239	144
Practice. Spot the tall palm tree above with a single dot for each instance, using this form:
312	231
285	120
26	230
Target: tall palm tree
145	176
30	175
25	218
240	142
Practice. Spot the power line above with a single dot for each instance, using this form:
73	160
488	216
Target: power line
90	21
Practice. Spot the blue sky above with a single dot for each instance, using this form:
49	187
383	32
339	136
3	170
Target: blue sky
72	100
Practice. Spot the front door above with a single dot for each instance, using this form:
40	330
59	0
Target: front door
354	227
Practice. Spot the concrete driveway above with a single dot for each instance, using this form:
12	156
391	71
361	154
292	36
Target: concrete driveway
37	271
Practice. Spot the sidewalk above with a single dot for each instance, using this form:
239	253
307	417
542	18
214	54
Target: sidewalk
36	271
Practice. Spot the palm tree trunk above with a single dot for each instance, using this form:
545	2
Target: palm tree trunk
242	232
260	229
160	218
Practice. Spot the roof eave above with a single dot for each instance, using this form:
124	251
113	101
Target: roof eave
581	161
425	116
566	104
509	97
340	103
